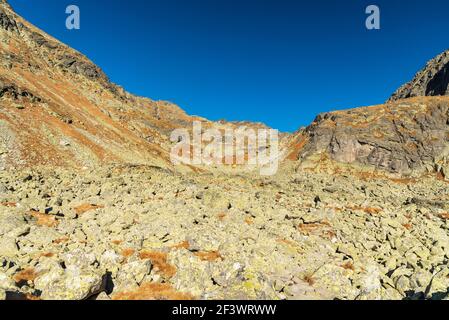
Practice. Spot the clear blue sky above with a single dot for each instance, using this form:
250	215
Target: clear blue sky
275	61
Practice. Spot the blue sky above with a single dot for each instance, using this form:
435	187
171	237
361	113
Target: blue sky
275	61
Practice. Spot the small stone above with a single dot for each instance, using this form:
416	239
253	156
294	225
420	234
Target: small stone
64	143
8	247
103	297
6	283
403	284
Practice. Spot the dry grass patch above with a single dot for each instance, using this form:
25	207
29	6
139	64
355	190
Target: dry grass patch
322	229
128	252
153	291
61	240
408	226
182	245
159	261
9	204
47	254
249	221
209	256
348	266
369	210
28	274
44	220
308	278
86	208
444	216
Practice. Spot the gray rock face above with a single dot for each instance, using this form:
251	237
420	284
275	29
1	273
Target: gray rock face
399	138
16	93
6	22
76	65
433	80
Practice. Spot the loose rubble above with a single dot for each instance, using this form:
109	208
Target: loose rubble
136	232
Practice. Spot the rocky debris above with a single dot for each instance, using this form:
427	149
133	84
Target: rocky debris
146	233
69	284
432	80
406	138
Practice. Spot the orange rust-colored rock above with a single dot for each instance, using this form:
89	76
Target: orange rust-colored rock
153	291
408	226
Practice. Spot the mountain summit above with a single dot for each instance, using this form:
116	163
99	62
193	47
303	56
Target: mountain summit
432	80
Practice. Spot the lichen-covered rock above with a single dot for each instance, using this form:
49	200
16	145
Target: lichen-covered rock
8	247
68	284
132	274
2	294
6	283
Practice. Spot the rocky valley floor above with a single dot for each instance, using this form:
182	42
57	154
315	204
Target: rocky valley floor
129	232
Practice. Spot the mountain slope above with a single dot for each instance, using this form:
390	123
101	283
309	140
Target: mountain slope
58	108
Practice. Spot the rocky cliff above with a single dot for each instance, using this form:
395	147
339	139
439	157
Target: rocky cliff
405	137
432	80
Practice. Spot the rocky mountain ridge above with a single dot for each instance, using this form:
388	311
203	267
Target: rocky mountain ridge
84	119
432	80
405	138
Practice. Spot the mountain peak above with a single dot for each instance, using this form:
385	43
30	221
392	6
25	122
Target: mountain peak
432	80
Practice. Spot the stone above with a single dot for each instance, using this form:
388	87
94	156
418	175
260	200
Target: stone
6	283
132	274
8	247
103	297
69	284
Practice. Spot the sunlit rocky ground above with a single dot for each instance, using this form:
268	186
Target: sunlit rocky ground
146	233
